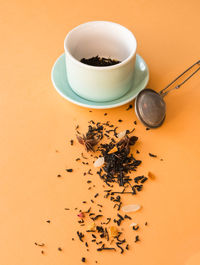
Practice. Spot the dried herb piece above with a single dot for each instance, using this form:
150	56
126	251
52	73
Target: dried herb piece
89	141
105	248
146	223
69	170
71	142
58	176
77	159
83	259
144	179
84	157
135	122
91	214
89	172
39	244
138	179
99	61
48	221
137	239
86	244
152	155
42	251
88	211
135	227
118	244
127	247
96	217
80	236
96	195
120	120
118	206
147	129
118	221
105	114
130	107
59	249
108	221
138	187
67	209
127	217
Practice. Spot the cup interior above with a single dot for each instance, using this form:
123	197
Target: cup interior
103	38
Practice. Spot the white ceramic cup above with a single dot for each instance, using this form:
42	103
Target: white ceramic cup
106	39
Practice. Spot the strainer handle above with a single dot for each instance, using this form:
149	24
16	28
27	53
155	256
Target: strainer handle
162	93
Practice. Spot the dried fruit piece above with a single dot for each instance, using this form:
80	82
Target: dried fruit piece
131	208
99	162
113	231
91	227
81	215
151	175
113	150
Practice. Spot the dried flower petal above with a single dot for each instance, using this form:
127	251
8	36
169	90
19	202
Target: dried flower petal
131	208
113	231
81	215
113	150
91	227
99	162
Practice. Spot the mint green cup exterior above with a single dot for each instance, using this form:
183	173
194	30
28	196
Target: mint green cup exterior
105	85
100	84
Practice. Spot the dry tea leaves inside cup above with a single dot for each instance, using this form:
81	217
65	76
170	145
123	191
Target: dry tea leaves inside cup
99	61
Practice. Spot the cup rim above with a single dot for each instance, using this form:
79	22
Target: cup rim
100	68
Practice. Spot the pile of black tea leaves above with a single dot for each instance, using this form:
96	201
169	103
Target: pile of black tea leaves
103	142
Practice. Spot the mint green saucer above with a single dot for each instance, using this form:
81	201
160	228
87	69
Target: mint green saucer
59	79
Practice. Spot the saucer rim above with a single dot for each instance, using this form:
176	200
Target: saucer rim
107	104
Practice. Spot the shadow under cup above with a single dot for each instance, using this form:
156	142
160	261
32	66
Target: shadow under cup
106	39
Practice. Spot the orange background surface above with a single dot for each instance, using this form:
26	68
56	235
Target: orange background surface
35	122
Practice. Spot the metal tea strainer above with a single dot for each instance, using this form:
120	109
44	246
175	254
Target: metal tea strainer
150	106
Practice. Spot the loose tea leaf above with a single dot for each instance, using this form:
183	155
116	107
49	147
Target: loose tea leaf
152	155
